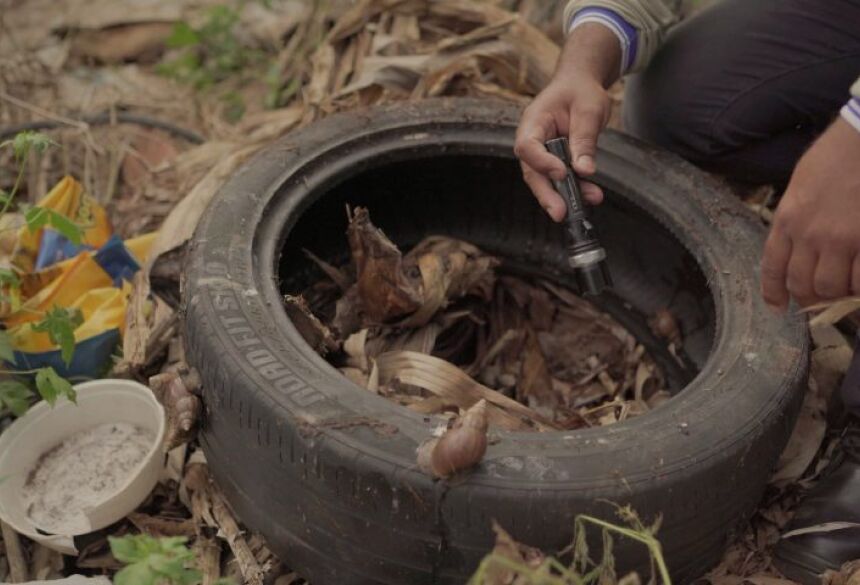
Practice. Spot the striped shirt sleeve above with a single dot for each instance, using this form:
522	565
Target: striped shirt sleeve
626	33
851	112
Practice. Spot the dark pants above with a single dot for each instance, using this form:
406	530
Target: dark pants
743	87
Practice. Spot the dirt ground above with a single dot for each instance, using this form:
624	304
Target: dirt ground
155	103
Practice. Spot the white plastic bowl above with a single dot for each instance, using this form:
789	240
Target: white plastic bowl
44	427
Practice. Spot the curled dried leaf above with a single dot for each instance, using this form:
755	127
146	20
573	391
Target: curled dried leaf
387	288
308	325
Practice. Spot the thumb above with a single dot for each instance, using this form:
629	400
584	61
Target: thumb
585	126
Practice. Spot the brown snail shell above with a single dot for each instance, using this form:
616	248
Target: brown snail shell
463	445
664	325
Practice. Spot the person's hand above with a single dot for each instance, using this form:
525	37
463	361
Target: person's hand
813	251
574	104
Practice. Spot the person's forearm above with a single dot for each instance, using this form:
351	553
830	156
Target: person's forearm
591	49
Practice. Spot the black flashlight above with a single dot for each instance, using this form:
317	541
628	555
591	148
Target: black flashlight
586	256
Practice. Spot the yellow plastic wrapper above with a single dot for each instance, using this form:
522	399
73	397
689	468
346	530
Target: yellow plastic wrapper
66	198
92	277
103	310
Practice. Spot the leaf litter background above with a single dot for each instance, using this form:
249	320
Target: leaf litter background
443	326
283	64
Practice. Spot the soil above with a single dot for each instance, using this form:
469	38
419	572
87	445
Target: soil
81	472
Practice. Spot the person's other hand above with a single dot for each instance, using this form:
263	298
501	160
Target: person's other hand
574	104
813	250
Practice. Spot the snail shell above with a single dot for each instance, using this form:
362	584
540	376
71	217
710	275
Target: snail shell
463	445
664	325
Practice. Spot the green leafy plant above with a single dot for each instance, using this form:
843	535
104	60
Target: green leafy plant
59	323
23	145
155	561
15	396
51	386
582	570
38	217
9	277
210	53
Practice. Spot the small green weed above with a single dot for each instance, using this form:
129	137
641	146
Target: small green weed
155	561
23	145
208	54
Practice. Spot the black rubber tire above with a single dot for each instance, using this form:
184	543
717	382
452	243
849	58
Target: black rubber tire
347	505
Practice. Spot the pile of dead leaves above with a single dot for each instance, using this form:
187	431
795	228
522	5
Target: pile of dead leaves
444	326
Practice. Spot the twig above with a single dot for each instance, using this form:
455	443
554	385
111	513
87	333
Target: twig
116	157
248	565
209	507
18	571
44	113
208	559
45	563
159	337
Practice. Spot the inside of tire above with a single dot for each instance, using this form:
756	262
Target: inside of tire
483	200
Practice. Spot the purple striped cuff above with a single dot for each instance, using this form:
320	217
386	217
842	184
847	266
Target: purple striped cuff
851	113
626	33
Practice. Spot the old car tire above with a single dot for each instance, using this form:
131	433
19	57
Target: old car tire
326	471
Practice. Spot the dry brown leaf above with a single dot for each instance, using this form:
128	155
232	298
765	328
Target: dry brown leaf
399	72
768	580
322	74
848	574
385	287
149	150
833	311
832	349
422	340
479	34
338	276
159	527
508	548
357	16
805	440
356	376
182	221
429	405
355	349
270	22
312	330
449	270
373	378
534	386
643	374
141	41
269	125
447	380
146	318
97	14
821	528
